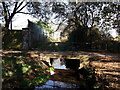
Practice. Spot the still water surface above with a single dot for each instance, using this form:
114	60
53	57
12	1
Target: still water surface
61	72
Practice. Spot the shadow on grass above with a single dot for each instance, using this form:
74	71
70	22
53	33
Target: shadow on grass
19	70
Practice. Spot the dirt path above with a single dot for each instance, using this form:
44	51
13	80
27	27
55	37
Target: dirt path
108	68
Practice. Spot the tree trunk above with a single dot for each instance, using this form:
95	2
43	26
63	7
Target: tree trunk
7	25
8	21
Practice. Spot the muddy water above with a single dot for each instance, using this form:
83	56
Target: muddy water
64	75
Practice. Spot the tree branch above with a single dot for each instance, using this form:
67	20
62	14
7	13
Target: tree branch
22	8
59	25
25	13
73	11
19	5
15	8
5	11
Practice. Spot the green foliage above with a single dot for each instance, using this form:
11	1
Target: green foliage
81	38
113	46
90	70
90	77
40	79
26	68
12	40
34	82
21	71
96	86
79	35
85	35
51	69
25	84
45	26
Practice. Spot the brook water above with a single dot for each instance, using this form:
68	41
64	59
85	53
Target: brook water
65	75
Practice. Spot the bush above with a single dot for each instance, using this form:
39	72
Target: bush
22	71
12	40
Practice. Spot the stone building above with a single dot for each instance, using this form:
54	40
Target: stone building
32	35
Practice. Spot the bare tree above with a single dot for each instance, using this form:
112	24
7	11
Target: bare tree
10	9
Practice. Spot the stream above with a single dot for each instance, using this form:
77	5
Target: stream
65	75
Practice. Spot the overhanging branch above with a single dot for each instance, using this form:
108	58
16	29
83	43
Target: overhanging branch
22	7
25	13
73	11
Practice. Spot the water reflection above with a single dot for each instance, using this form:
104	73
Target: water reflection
65	71
58	63
57	84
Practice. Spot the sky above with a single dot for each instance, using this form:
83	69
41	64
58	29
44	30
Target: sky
113	33
21	20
